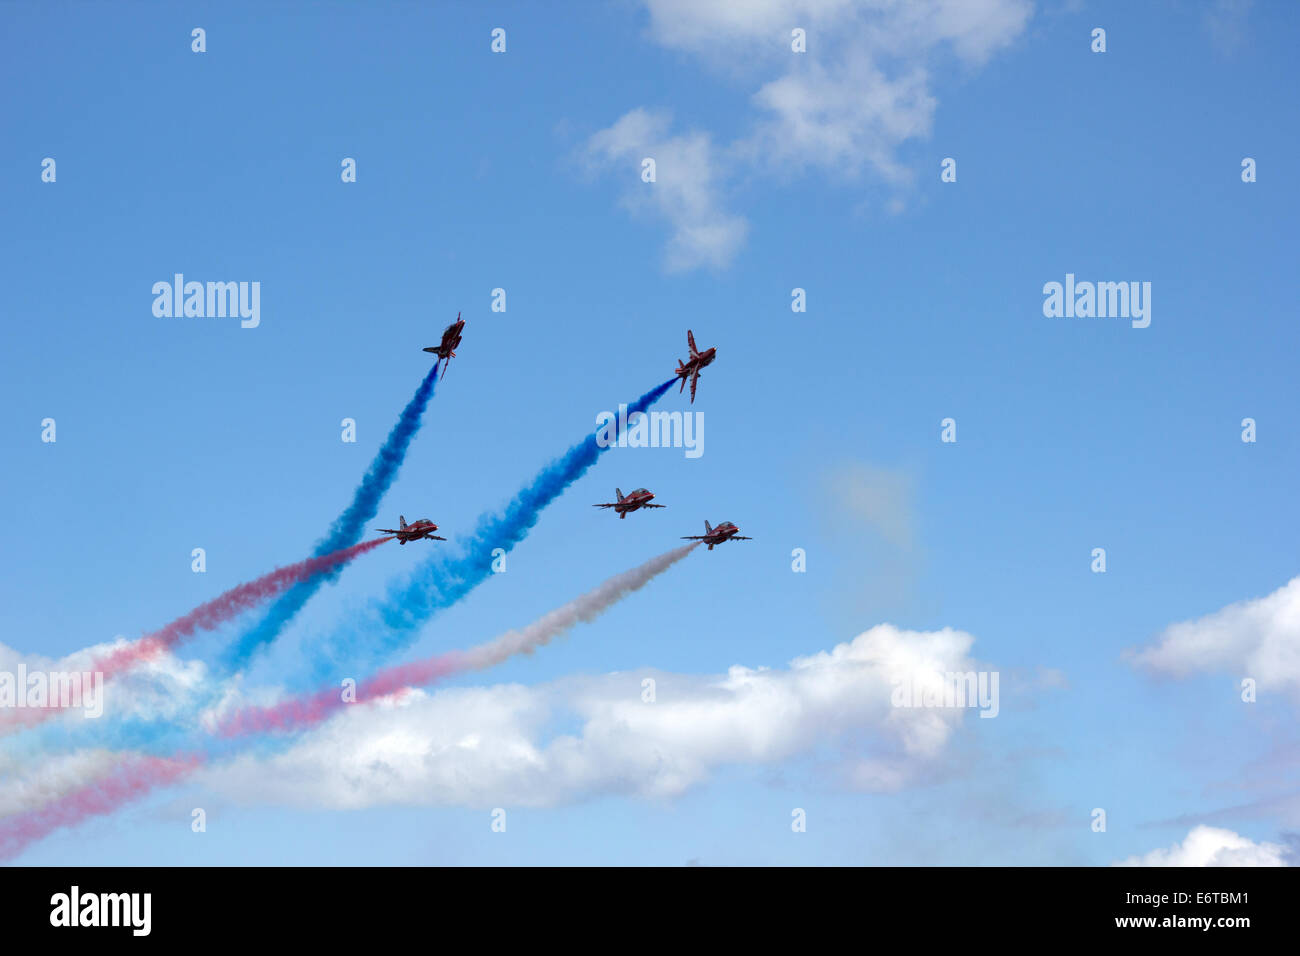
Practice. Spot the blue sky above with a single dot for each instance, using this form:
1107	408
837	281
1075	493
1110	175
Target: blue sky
521	170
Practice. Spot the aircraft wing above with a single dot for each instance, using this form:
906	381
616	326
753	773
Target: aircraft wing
739	537
611	505
435	537
654	506
690	341
695	537
388	531
695	380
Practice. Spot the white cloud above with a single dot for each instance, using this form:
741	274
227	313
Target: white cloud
565	741
841	119
702	26
496	746
726	31
862	89
1212	846
685	191
1258	638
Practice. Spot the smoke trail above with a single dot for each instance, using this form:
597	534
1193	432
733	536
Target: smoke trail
130	780
440	581
205	617
137	776
436	583
300	712
347	528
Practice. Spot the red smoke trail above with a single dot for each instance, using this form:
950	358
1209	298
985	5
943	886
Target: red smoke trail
301	712
131	779
205	617
226	606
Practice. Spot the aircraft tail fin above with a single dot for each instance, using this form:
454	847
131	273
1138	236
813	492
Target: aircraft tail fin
618	493
402	519
708	529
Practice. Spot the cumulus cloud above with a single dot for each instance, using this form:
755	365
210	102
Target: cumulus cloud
1212	846
862	89
504	745
841	119
572	739
685	191
1258	638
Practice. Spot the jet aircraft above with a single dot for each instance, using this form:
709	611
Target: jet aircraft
640	498
690	369
415	531
713	536
450	339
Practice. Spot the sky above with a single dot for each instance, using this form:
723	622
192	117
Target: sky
879	547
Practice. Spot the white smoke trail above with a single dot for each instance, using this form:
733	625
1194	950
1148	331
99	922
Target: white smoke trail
582	609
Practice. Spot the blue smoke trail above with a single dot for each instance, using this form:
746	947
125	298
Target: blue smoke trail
439	582
347	528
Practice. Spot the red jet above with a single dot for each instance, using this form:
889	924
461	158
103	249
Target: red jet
450	339
633	501
692	366
723	532
424	528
